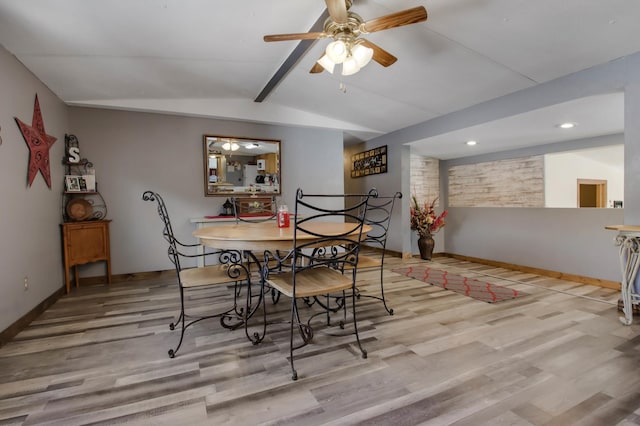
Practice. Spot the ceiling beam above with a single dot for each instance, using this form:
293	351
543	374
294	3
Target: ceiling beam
292	59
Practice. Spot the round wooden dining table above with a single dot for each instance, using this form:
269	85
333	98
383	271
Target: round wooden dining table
267	236
254	238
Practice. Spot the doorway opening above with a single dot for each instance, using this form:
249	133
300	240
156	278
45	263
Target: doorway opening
592	193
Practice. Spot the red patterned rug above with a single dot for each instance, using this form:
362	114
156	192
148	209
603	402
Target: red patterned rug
479	290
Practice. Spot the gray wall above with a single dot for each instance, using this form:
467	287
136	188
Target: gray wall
133	152
30	216
572	241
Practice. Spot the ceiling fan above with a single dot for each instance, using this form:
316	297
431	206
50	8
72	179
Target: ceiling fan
345	28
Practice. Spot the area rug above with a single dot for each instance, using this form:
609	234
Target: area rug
479	290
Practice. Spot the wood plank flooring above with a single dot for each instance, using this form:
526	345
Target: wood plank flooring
558	356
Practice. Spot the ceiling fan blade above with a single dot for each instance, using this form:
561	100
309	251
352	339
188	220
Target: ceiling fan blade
337	10
317	68
295	36
398	19
380	55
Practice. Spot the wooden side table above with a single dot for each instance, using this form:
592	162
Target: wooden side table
85	242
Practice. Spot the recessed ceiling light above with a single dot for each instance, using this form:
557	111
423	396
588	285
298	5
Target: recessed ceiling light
471	143
567	125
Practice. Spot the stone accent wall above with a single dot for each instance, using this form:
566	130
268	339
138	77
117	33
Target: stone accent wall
425	178
516	182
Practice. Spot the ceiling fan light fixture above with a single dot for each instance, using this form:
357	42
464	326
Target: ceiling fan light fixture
362	54
337	51
227	146
326	63
350	66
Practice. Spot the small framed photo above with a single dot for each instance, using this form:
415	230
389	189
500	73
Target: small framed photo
72	183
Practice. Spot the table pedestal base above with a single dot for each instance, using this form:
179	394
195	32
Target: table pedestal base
629	247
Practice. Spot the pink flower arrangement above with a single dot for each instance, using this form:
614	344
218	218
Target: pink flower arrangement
424	218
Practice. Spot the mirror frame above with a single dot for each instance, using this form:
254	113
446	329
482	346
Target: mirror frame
225	189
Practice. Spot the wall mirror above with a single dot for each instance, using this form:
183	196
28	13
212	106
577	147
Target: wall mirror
241	166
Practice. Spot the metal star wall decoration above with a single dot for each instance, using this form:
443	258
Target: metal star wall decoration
39	143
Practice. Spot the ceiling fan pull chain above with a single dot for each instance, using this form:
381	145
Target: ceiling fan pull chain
343	87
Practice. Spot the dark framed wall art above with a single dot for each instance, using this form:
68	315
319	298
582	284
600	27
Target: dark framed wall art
369	162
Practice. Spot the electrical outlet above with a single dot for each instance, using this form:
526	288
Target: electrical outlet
26	283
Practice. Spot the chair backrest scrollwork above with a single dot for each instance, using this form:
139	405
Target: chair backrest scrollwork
379	212
167	232
329	249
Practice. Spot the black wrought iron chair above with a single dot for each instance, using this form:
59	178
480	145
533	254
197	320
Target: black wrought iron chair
261	212
317	265
379	211
227	270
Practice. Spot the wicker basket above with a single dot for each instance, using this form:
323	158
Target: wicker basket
79	209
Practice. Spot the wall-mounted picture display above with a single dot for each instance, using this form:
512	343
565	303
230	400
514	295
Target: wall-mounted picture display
72	183
369	162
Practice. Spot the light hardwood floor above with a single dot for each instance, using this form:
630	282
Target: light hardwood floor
558	356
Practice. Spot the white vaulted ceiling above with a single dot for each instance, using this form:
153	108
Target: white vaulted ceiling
208	58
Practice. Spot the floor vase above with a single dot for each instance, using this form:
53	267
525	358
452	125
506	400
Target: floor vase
426	244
